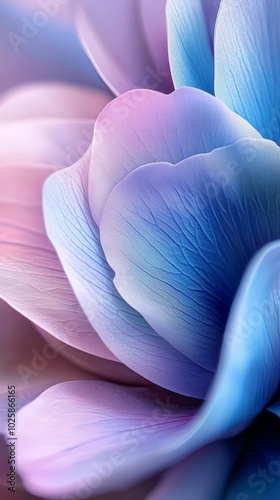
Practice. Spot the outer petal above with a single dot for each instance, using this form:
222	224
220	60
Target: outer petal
56	142
190	53
117	47
156	128
31	277
120	434
210	9
76	239
67	461
30	363
248	64
34	44
179	238
52	100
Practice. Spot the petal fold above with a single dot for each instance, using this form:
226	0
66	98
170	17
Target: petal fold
101	437
156	128
116	45
75	237
31	277
190	54
180	237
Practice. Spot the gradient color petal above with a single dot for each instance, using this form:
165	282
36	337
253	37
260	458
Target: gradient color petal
190	54
31	277
117	47
156	128
102	437
247	62
187	223
34	45
75	237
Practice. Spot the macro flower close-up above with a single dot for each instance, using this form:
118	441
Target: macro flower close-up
140	249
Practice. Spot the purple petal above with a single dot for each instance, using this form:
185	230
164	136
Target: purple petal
76	238
101	437
143	127
113	37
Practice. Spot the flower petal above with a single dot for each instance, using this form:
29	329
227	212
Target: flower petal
76	238
179	238
154	25
56	142
35	42
31	364
101	437
248	64
214	463
31	277
156	128
191	57
116	45
52	100
210	10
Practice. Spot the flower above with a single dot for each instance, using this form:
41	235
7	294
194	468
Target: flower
168	231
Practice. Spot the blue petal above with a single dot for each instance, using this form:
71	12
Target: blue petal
76	238
179	238
190	54
247	62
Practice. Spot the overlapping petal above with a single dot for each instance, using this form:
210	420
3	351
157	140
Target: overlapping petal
142	127
101	437
75	236
147	428
179	238
32	278
247	62
190	39
117	46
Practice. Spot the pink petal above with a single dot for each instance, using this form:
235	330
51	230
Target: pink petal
55	141
100	437
52	100
31	277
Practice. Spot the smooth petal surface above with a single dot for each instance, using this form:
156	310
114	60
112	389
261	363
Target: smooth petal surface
56	142
52	100
143	127
31	277
179	238
154	26
210	9
243	387
117	47
190	54
76	239
31	363
34	45
101	437
247	62
201	476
